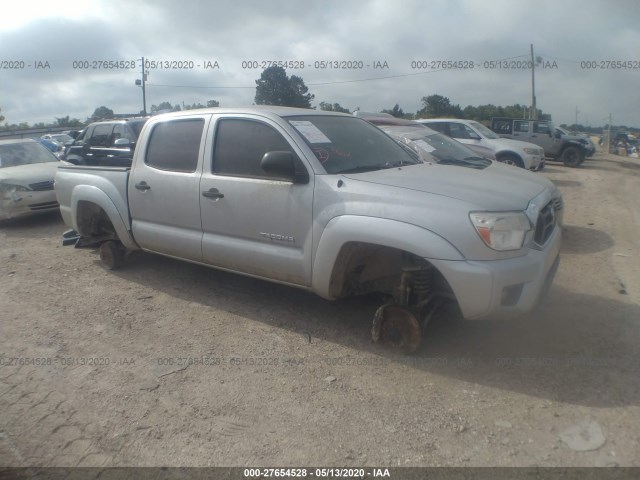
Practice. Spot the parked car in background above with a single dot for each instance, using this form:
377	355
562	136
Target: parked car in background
430	145
590	147
485	142
106	143
569	149
27	171
53	147
72	133
59	138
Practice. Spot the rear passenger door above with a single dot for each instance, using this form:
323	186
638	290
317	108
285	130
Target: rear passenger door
164	188
521	130
253	222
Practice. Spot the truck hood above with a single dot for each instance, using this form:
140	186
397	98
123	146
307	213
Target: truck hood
498	187
500	143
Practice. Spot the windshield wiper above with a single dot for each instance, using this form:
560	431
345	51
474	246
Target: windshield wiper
362	168
474	162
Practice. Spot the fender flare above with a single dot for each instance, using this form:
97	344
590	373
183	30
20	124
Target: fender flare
91	194
377	231
573	143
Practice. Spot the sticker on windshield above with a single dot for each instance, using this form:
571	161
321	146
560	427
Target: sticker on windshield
310	131
424	146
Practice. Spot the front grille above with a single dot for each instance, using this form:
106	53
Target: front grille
41	186
558	204
546	223
44	206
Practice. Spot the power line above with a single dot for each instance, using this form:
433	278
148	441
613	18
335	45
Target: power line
335	82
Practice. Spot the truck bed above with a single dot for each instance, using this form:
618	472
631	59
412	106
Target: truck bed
94	182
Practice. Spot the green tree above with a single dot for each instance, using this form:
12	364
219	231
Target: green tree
67	122
1	116
275	88
438	106
213	103
335	107
161	107
396	111
102	112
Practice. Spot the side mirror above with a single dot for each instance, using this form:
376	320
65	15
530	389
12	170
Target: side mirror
283	164
474	136
122	142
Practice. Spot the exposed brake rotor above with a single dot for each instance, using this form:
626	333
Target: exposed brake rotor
397	327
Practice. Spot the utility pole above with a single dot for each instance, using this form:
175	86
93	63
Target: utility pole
141	83
534	109
609	136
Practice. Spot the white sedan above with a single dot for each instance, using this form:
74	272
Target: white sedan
27	170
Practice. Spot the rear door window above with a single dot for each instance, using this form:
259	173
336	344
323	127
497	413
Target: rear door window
520	126
175	145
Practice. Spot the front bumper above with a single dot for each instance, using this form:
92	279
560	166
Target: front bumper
534	162
503	288
23	204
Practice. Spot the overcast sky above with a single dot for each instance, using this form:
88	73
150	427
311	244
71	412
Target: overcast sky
54	35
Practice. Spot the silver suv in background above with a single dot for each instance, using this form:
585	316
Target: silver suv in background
486	143
568	149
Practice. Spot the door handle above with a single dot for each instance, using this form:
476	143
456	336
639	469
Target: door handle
213	193
142	186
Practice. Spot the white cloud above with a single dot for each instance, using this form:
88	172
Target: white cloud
396	32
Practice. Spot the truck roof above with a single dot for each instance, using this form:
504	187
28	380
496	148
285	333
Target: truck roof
266	110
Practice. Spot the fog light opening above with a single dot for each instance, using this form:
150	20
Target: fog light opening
511	295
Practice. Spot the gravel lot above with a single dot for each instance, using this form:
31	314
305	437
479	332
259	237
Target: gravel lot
96	372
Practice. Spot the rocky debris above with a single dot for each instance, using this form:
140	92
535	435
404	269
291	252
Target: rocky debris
330	379
163	370
149	387
584	436
502	424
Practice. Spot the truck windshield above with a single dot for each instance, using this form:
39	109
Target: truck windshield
436	146
349	145
484	131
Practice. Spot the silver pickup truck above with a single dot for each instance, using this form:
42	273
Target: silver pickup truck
329	203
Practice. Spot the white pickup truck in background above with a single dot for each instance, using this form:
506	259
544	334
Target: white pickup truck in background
325	202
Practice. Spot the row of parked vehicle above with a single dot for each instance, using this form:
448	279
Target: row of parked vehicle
321	201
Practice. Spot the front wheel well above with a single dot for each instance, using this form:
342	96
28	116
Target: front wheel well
510	158
363	268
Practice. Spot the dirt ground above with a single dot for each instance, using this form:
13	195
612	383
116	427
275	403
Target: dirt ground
165	363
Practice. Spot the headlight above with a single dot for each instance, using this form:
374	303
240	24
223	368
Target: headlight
531	151
501	230
8	189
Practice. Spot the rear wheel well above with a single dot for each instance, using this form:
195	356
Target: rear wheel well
93	221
